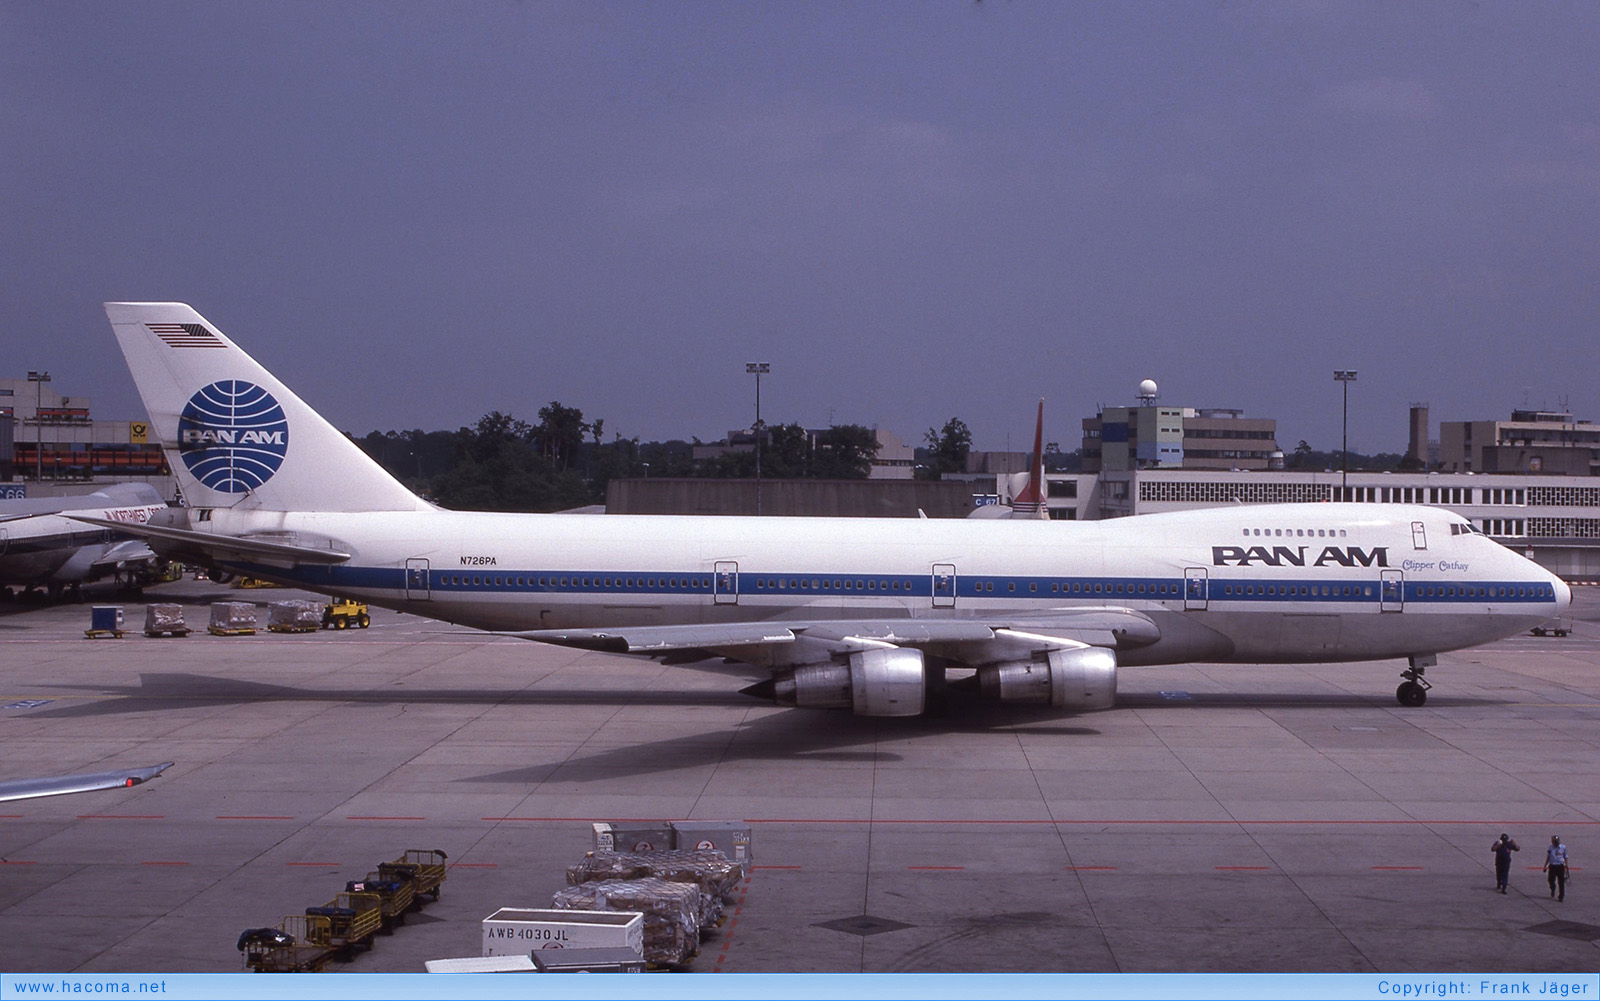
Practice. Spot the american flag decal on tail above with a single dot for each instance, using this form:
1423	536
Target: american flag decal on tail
185	335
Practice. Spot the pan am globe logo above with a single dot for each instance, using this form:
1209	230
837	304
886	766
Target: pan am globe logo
233	436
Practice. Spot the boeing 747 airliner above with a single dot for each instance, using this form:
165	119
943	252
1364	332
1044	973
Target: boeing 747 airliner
846	613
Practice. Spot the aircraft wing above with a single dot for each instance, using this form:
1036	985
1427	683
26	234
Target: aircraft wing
85	782
222	546
664	639
1104	627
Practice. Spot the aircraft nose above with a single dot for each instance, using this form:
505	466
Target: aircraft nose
1563	594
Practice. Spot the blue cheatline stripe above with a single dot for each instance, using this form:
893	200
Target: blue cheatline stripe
748	583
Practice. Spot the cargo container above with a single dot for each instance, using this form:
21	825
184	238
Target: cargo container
521	930
104	620
730	837
232	618
635	836
163	618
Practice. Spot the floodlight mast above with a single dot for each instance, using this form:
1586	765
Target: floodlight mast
758	369
1344	377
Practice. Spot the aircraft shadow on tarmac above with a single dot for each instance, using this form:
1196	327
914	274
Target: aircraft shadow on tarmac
161	691
769	733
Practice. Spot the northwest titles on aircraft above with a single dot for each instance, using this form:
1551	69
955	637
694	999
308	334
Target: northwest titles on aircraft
233	436
1295	556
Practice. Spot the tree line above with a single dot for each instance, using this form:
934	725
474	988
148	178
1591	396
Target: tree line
504	463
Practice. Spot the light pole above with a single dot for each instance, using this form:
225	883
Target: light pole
1345	377
758	369
38	379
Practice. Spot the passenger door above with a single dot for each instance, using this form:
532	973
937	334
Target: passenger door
725	583
417	582
1393	594
944	585
1196	588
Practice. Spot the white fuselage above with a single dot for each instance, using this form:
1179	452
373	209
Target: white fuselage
55	549
1278	583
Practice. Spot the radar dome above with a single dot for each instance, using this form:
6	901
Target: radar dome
1147	387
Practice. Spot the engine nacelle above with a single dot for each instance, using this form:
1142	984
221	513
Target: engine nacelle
888	681
1082	678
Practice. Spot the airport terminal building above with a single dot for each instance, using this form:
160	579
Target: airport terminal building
1553	519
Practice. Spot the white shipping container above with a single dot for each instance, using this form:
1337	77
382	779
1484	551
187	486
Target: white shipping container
512	931
482	964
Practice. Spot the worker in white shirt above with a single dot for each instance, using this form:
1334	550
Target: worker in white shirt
1555	867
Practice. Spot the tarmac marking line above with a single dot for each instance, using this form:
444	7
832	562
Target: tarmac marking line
734	922
386	818
1244	868
1091	868
1397	868
936	868
121	816
255	818
12	861
163	863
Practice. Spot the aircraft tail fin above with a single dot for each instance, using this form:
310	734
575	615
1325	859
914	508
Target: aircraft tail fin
1029	501
234	435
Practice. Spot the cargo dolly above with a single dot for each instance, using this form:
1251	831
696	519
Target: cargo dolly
424	868
299	944
353	920
395	895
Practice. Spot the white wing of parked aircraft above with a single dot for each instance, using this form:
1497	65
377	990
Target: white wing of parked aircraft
84	782
851	613
41	544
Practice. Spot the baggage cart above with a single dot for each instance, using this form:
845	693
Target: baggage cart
104	620
299	944
426	868
353	919
395	894
162	618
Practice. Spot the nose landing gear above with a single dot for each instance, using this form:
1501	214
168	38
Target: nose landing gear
1413	692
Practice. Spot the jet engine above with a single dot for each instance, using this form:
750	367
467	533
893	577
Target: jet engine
879	681
1077	678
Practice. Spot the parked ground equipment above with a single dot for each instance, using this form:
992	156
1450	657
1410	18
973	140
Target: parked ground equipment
342	613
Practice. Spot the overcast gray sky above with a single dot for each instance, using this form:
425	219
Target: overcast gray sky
415	213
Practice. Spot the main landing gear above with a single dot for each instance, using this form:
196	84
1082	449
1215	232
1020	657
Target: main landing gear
1413	692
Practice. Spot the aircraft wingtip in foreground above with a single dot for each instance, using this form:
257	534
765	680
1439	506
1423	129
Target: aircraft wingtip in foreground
62	785
847	613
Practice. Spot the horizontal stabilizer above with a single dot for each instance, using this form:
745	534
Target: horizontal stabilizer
221	547
129	551
85	782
